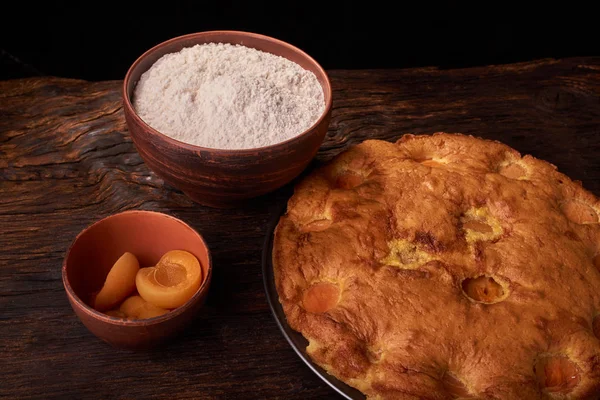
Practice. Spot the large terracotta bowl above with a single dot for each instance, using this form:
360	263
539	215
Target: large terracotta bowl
148	235
224	178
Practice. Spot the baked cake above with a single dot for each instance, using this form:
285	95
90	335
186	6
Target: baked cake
443	267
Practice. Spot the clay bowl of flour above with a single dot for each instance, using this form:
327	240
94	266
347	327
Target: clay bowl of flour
226	116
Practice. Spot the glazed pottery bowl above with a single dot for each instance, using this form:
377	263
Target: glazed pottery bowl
224	178
148	235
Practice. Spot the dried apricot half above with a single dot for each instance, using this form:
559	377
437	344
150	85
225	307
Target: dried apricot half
557	374
172	282
137	308
119	283
483	289
321	297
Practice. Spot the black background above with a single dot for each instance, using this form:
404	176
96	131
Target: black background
99	40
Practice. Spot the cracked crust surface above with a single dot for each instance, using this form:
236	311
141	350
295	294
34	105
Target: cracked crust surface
444	267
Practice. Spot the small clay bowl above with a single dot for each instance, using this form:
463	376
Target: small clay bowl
148	235
224	178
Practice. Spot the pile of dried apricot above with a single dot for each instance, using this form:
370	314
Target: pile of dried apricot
161	288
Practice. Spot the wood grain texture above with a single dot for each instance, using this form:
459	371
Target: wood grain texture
66	160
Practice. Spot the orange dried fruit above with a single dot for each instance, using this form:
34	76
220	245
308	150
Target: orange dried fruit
119	283
321	297
557	374
172	282
484	289
137	308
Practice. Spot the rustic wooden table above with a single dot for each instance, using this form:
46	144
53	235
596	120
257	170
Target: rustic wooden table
66	160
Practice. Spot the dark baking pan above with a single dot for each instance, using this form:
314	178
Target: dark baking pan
295	339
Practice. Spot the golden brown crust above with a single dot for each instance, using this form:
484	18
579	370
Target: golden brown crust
379	251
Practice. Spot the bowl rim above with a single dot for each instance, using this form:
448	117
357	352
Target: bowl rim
326	86
98	315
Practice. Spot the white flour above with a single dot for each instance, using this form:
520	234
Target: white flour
226	96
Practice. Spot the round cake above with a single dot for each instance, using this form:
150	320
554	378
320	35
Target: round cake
444	267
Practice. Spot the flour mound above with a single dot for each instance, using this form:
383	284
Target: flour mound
225	96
